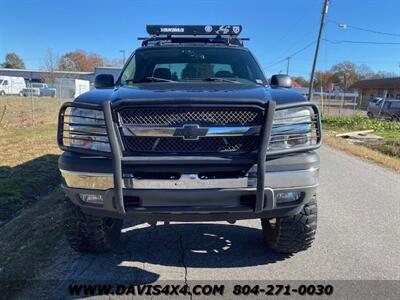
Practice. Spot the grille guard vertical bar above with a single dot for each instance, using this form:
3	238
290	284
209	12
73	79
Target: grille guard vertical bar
116	154
262	153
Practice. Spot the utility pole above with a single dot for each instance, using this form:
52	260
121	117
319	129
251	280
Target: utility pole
288	64
123	56
321	27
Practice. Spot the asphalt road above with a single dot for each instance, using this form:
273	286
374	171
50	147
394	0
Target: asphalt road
358	237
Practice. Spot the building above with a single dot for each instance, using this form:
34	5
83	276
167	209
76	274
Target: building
44	76
370	88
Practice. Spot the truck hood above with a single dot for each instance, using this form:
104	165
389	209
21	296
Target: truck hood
190	91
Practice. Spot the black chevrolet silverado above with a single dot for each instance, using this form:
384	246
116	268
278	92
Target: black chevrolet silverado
190	131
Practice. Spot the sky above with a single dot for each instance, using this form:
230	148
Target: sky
277	29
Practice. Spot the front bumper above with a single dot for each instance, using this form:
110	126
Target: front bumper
187	196
191	198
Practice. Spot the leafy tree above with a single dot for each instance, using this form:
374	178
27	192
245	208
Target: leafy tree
344	74
80	61
13	61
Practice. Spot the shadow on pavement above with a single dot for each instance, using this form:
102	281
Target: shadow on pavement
204	245
146	251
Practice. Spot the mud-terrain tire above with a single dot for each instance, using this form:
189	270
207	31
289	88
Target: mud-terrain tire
294	233
86	233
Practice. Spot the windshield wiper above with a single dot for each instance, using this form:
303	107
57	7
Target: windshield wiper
221	79
159	79
149	79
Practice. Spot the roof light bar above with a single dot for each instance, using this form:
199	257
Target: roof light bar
194	29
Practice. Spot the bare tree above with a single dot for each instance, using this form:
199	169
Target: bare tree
51	61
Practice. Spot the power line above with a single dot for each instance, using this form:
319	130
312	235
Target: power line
355	61
361	42
291	55
364	29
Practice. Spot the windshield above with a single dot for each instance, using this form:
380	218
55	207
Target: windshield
188	64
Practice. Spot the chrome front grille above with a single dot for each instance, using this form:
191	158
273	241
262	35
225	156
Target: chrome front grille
190	130
181	116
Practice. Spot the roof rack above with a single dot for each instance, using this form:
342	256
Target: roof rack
204	34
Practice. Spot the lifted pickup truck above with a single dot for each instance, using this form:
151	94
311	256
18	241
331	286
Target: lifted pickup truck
190	131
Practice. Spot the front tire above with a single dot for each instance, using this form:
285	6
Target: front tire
294	233
86	233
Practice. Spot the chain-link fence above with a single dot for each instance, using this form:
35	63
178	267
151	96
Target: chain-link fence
38	103
335	104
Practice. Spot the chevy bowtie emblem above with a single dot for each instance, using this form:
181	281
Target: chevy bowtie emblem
190	132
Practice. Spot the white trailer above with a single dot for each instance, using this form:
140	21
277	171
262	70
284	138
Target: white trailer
71	88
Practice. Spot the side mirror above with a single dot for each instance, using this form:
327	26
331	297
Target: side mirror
103	81
281	81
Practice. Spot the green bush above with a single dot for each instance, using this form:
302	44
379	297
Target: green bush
358	123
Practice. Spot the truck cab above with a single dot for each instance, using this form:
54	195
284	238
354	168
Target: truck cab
190	131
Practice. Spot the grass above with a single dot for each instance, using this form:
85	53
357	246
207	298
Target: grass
30	242
386	152
24	111
28	153
30	197
28	166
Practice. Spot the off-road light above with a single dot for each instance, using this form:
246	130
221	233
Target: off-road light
283	197
92	198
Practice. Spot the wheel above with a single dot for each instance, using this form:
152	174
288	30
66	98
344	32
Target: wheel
21	94
86	233
294	233
370	115
2	93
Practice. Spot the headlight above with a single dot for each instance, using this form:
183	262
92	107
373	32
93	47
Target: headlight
292	127
85	128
